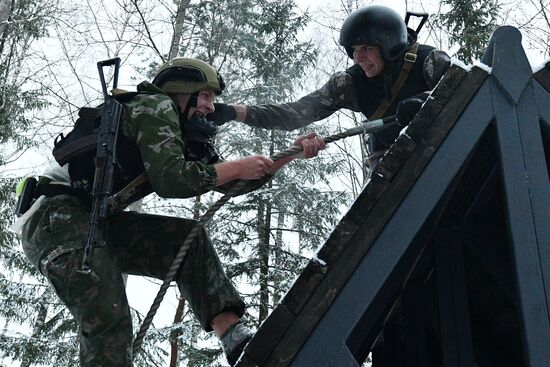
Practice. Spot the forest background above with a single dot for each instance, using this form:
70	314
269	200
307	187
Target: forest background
267	51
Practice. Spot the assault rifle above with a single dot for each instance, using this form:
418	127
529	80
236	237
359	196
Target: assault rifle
105	161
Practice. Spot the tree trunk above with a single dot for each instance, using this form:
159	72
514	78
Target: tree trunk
278	249
176	333
181	304
38	324
4	14
178	29
5	11
264	212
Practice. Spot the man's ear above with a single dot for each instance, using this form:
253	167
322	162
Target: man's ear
181	100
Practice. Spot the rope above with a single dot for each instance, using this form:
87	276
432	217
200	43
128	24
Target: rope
366	127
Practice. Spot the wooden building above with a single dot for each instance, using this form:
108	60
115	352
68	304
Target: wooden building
444	258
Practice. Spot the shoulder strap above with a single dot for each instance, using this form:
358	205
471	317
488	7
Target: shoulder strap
124	96
410	59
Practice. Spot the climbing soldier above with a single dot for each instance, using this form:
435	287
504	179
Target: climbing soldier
164	133
391	74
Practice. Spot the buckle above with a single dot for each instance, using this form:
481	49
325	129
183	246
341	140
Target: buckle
410	57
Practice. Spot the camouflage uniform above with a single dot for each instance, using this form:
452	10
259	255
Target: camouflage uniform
351	89
140	244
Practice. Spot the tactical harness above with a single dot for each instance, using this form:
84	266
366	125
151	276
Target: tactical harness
409	60
78	149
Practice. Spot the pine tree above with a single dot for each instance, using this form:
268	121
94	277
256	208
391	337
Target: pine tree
27	303
36	327
470	23
269	67
255	46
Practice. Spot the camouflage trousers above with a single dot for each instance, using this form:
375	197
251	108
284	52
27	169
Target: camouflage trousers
139	244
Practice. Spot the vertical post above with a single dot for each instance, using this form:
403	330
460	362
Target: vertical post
526	186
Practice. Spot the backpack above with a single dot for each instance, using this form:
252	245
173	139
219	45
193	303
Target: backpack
79	147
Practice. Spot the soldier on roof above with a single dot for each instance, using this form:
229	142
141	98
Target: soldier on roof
391	74
164	133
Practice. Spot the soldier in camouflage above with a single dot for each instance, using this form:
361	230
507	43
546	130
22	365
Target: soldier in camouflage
158	126
379	42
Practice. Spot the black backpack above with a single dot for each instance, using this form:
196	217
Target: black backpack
78	149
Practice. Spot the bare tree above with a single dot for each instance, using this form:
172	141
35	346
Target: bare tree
178	29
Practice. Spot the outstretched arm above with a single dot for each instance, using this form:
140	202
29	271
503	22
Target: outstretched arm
337	93
257	166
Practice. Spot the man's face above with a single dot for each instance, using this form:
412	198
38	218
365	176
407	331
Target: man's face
369	59
205	103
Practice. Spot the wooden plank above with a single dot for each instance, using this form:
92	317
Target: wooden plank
523	235
456	336
538	179
269	333
384	208
338	240
301	328
395	157
399	152
417	311
542	100
509	65
489	257
415	325
456	105
363	205
246	361
304	286
361	306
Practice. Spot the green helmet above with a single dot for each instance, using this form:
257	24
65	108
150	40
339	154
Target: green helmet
188	76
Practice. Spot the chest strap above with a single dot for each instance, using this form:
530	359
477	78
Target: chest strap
409	60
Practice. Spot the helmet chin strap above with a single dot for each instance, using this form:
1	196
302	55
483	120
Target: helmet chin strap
192	102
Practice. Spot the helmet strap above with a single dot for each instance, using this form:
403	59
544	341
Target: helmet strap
192	102
410	58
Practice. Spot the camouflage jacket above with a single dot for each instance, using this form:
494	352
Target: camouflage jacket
351	89
152	140
151	120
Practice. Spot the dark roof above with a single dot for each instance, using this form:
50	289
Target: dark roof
378	230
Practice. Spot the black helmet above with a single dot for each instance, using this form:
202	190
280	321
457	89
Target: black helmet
188	76
375	25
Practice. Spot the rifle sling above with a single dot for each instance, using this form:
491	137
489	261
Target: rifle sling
51	190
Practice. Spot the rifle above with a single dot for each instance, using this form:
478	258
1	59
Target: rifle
423	16
105	161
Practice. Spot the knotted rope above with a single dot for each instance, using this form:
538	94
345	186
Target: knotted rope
366	127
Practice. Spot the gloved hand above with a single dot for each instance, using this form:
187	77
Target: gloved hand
199	136
222	114
199	129
407	108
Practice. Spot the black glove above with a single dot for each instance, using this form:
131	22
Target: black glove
199	135
204	152
223	113
407	108
199	129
